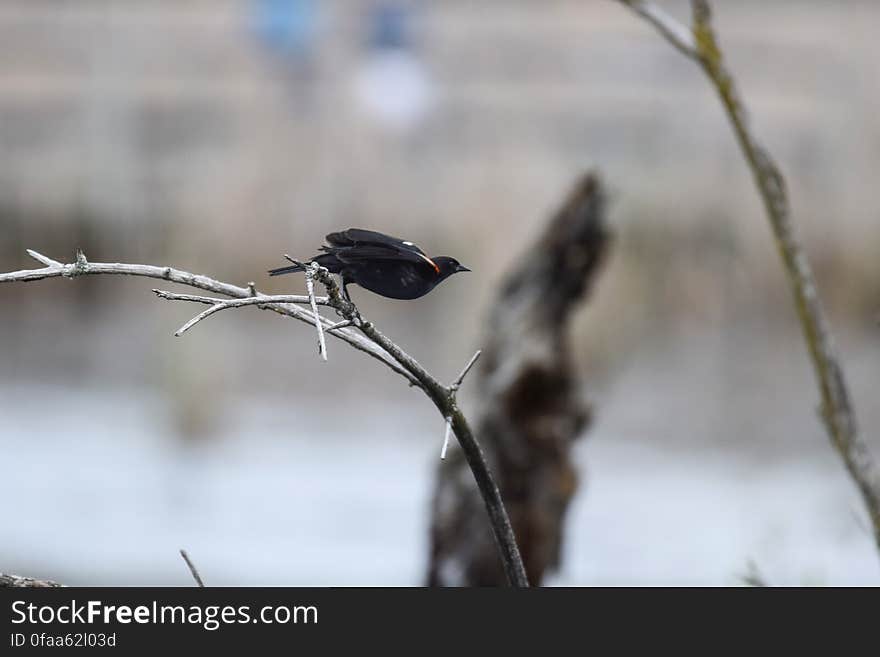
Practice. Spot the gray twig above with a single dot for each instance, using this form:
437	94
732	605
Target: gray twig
467	368
192	568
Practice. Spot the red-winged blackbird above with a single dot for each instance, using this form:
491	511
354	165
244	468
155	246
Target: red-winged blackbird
388	266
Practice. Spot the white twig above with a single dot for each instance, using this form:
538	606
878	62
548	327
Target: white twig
467	368
198	318
259	300
223	304
310	286
39	257
446	435
339	325
192	568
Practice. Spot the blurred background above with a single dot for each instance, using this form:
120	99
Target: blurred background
215	135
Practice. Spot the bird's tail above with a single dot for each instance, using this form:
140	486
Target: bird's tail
327	260
290	269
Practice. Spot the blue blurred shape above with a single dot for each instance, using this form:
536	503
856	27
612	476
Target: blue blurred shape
288	26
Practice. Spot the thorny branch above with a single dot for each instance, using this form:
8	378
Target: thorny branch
354	329
55	269
700	44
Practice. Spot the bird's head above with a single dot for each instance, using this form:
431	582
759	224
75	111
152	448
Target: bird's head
448	266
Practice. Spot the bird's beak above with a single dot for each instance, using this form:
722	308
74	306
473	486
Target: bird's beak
462	268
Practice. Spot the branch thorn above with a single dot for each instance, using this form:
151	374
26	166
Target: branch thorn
446	435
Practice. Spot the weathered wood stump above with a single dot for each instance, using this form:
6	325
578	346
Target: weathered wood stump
531	408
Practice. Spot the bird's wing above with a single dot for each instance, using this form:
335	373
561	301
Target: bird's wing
366	253
359	244
361	236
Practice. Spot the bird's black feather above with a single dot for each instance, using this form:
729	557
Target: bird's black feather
389	266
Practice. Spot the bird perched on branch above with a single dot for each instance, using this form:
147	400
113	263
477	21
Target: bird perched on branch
389	266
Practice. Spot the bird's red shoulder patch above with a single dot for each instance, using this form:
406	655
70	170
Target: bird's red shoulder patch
430	262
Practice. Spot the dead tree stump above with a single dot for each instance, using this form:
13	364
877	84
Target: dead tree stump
531	408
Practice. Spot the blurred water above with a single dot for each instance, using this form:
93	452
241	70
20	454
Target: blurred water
650	517
97	490
95	493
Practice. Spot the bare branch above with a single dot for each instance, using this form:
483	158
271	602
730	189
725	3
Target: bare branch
259	300
56	269
192	568
836	409
39	257
195	320
224	304
370	340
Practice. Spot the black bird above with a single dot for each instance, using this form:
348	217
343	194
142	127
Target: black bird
388	266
